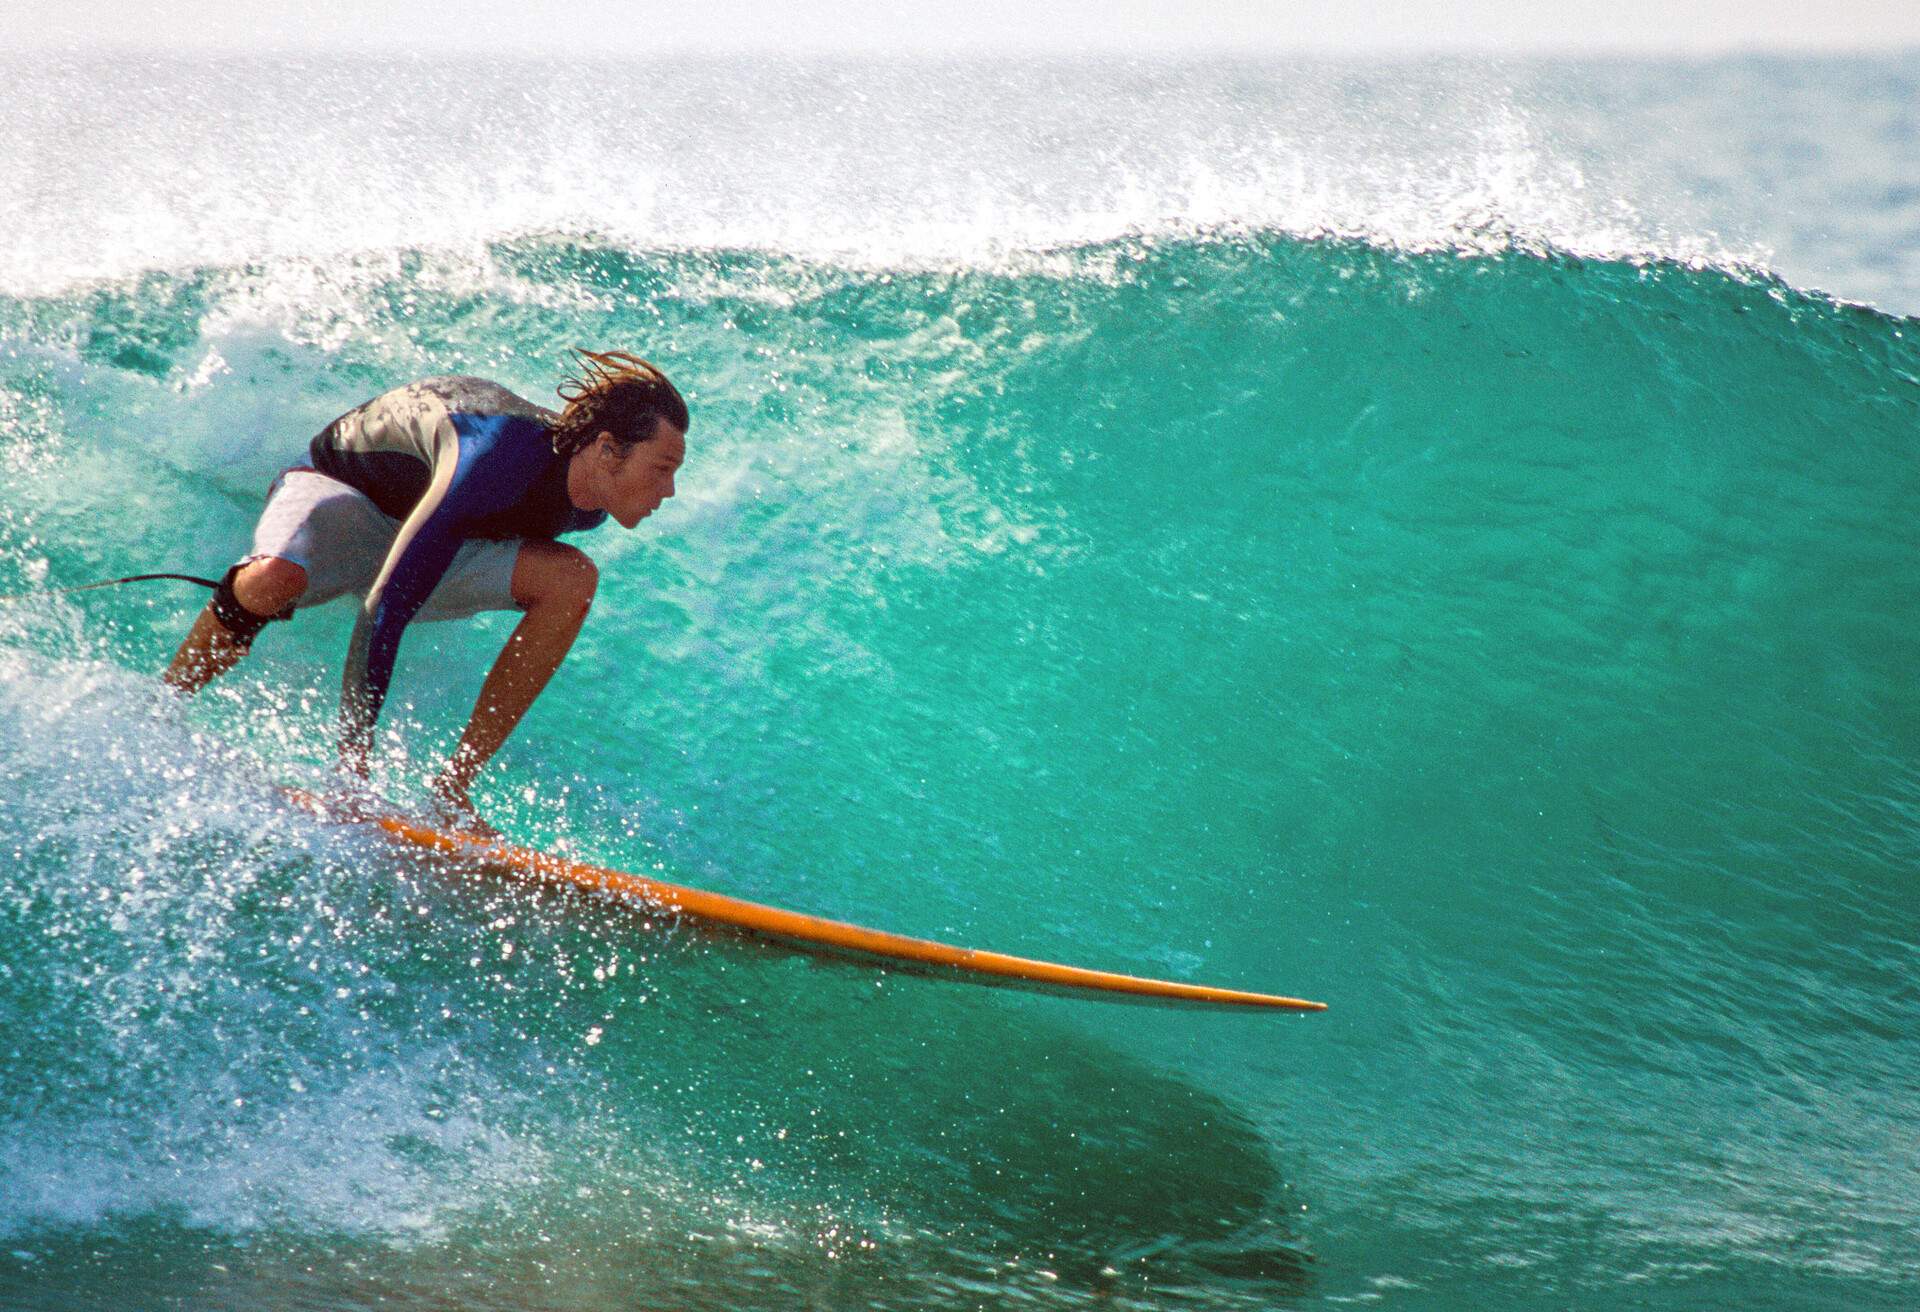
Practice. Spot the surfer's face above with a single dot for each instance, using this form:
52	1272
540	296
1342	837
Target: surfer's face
633	485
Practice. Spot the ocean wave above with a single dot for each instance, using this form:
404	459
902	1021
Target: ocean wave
1505	645
172	165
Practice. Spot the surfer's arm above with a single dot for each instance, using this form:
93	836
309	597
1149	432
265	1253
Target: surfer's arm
425	547
554	584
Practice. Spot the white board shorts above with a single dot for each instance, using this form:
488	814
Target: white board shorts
336	534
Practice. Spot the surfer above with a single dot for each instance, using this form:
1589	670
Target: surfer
436	501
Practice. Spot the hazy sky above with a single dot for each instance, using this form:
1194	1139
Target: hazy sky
609	26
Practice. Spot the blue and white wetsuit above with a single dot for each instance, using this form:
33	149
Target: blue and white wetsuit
451	458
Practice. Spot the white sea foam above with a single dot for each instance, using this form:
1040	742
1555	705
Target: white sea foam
208	967
121	165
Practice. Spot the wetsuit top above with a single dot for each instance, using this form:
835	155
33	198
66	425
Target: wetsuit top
452	459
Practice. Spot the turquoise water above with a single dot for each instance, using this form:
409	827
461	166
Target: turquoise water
1506	645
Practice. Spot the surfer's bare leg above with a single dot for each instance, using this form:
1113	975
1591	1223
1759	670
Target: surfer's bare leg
265	586
555	583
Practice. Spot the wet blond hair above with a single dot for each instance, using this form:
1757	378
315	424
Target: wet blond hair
614	392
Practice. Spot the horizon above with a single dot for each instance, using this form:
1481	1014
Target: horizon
1383	30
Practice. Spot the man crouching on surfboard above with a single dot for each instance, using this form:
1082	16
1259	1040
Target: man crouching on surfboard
438	500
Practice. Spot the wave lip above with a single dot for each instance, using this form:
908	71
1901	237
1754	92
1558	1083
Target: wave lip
126	166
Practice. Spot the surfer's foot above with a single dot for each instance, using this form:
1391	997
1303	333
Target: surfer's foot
467	823
454	810
349	802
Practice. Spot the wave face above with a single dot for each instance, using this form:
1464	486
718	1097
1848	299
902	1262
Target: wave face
1508	647
1511	651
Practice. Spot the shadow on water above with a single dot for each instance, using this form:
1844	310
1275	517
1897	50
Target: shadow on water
933	1132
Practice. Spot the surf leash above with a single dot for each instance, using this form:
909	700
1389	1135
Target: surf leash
105	583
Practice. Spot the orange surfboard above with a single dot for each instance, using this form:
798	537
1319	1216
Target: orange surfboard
815	933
